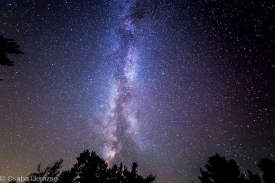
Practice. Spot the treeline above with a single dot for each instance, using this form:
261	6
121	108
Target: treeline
90	168
220	170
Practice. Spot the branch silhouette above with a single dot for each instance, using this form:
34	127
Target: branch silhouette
8	46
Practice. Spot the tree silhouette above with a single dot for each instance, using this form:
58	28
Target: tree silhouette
91	168
116	173
133	177
48	172
8	46
268	168
219	170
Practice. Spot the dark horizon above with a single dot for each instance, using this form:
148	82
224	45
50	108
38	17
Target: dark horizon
163	83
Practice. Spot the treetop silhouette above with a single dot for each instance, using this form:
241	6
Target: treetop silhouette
49	171
90	168
220	170
8	46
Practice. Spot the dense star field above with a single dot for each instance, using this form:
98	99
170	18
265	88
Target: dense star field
164	83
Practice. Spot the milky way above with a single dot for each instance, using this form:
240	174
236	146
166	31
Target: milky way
120	127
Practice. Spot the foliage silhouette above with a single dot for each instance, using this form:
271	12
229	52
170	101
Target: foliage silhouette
220	170
91	168
49	171
8	46
268	168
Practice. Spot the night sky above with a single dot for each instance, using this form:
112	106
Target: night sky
164	83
